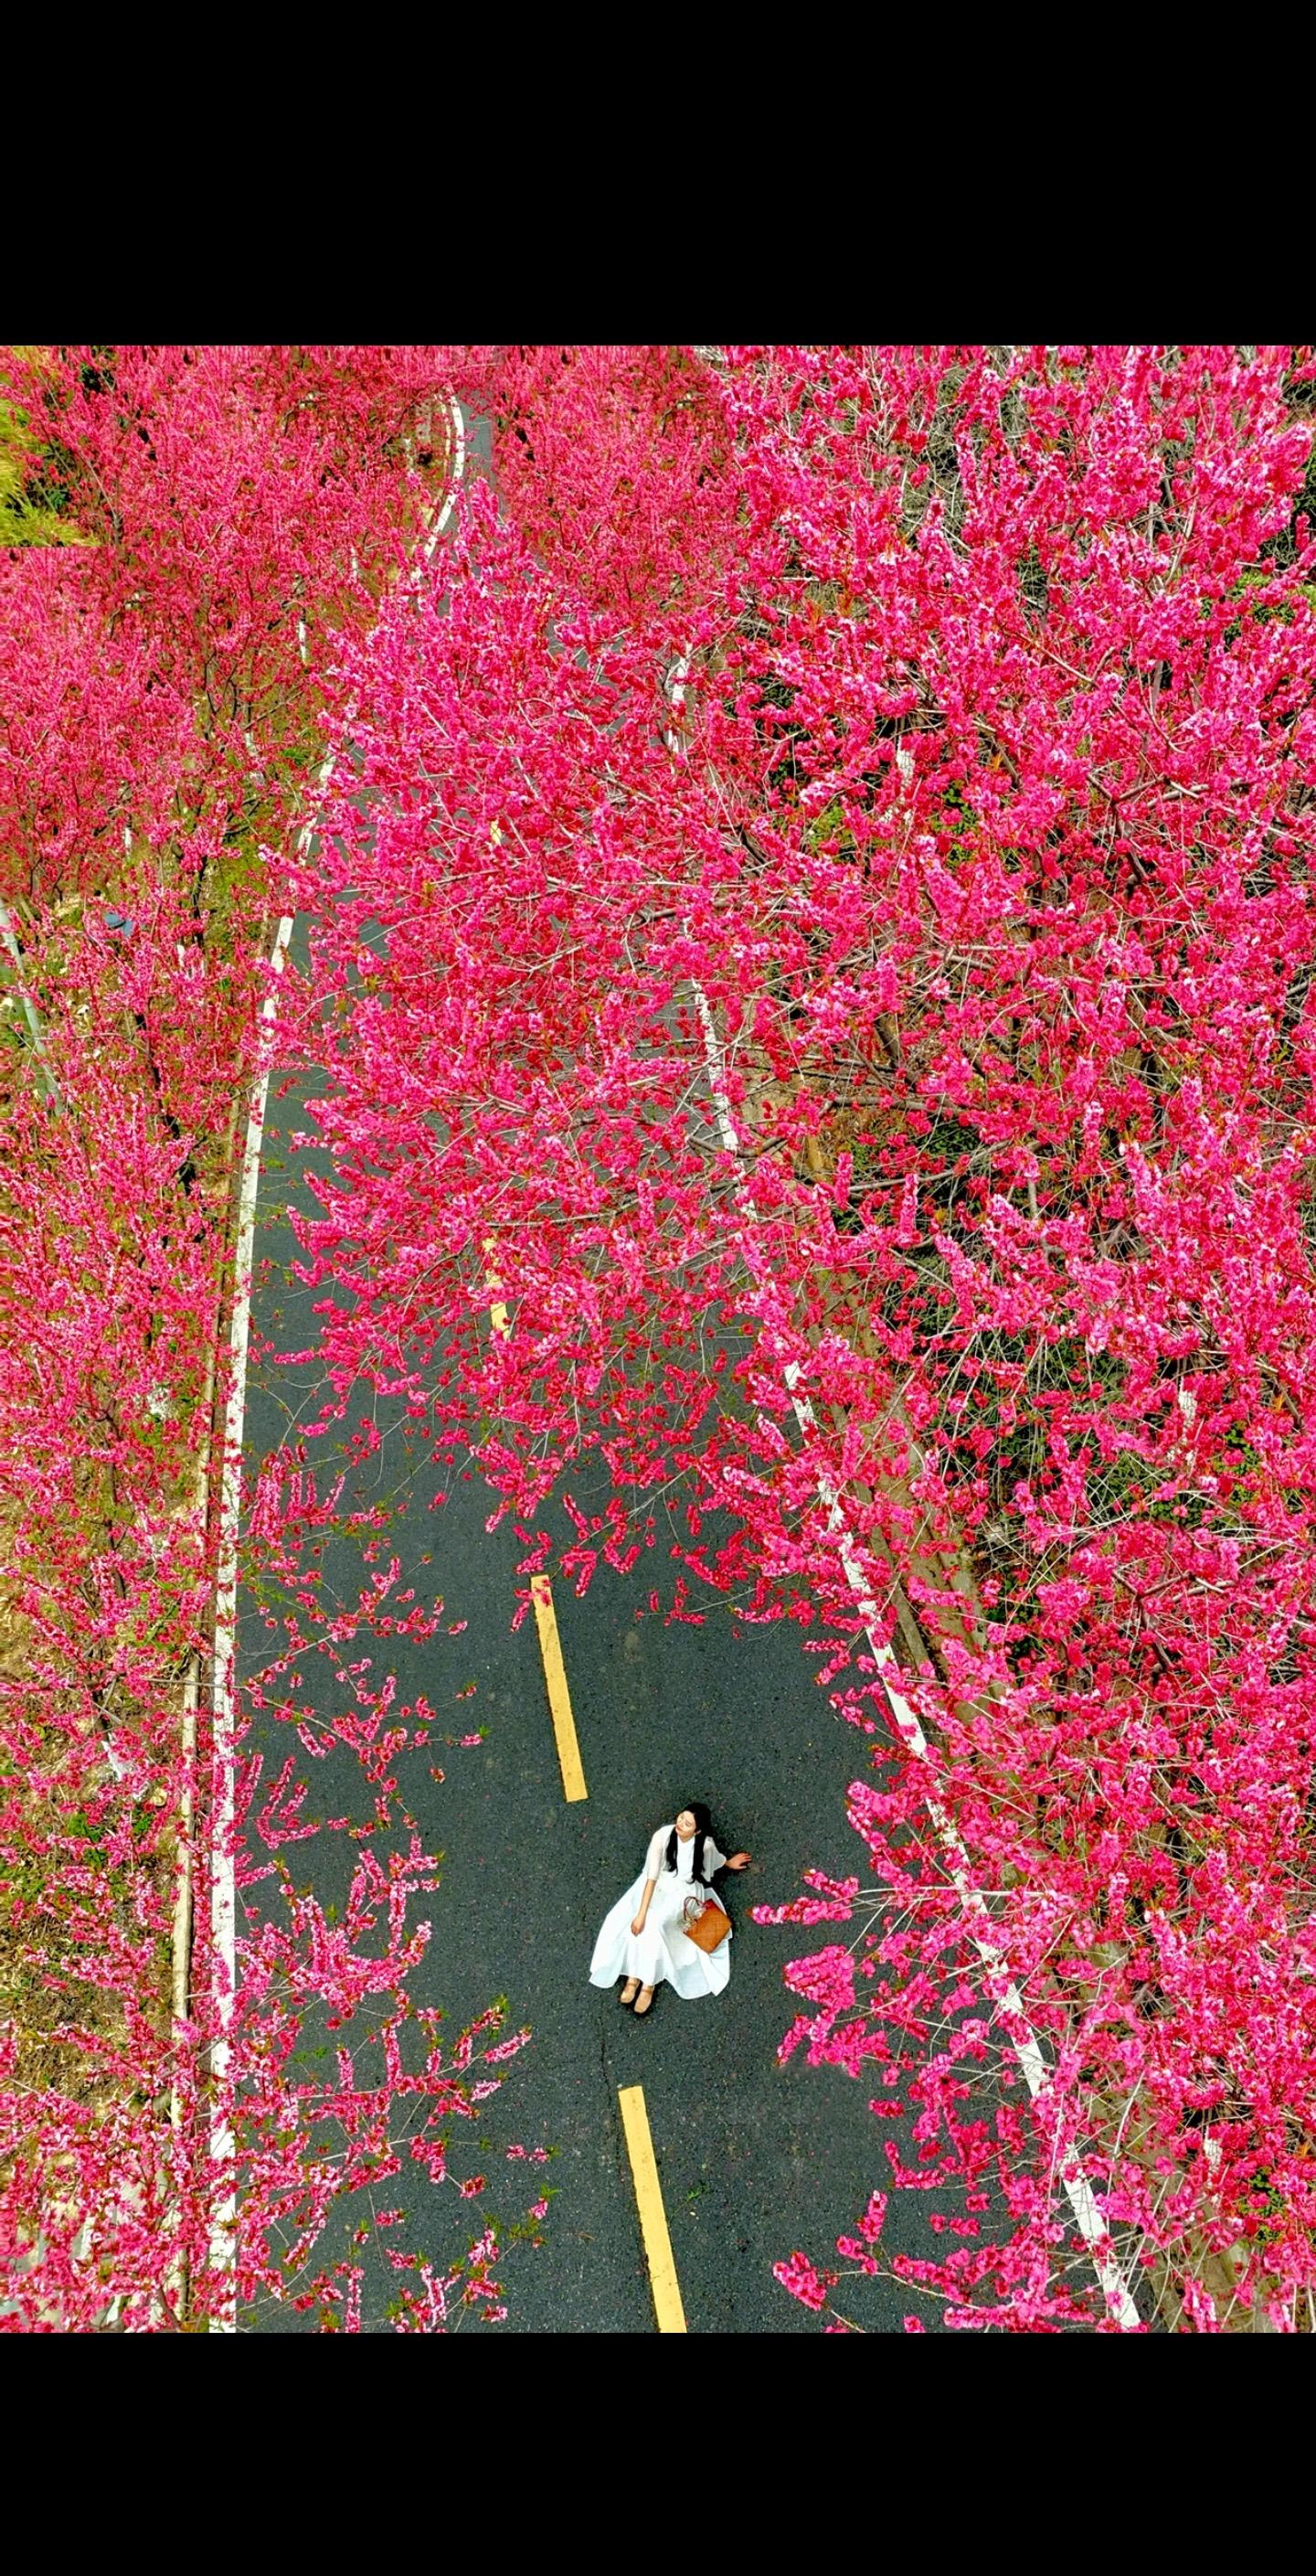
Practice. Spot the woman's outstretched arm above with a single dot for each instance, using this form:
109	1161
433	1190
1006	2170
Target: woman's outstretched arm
716	1860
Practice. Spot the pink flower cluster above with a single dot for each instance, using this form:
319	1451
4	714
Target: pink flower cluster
844	851
159	739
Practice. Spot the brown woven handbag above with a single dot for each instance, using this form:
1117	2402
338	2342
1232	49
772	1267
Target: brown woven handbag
706	1925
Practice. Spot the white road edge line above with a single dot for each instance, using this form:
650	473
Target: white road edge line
223	1890
1120	2301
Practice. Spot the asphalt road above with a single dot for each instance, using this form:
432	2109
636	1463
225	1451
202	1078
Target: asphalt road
755	2158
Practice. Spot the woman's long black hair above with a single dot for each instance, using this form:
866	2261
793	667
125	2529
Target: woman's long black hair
703	1833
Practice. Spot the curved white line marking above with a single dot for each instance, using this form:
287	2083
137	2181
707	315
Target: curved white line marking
1006	1999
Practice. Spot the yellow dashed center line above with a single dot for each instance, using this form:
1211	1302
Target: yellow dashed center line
635	2122
497	1312
653	2218
559	1697
541	1594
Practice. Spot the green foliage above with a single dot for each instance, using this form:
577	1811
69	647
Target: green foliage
30	511
831	825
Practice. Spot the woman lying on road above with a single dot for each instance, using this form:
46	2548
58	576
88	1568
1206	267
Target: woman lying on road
643	1939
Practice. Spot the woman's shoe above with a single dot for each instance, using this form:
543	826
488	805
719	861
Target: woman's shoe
642	2007
630	1990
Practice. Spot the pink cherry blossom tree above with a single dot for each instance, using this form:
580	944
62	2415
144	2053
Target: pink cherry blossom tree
843	849
159	733
842	841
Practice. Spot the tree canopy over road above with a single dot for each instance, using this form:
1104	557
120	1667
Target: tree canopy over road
817	890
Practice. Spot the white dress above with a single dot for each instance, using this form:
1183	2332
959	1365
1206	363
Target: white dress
662	1950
